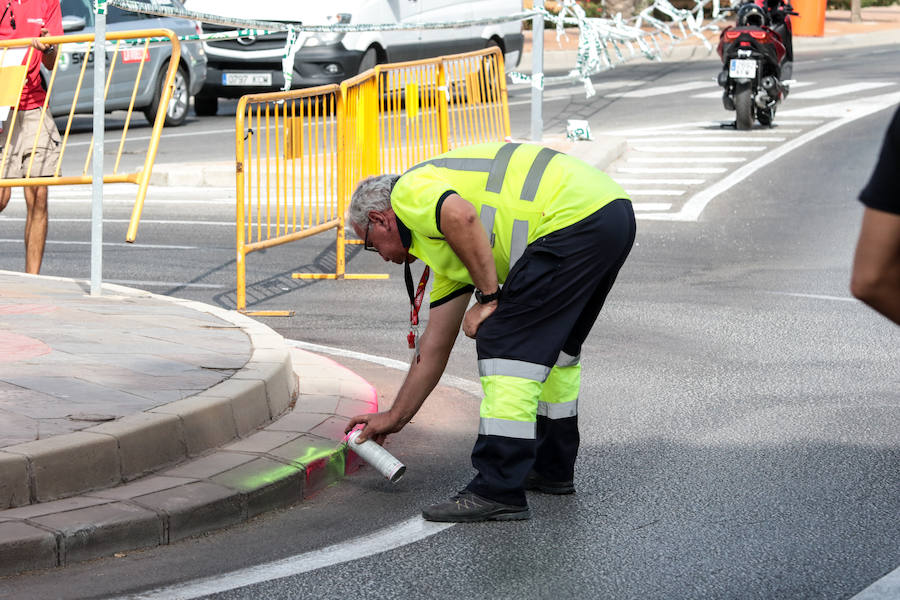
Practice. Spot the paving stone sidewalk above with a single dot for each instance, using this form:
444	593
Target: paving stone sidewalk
131	420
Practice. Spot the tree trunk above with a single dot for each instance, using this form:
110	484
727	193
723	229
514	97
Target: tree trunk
856	11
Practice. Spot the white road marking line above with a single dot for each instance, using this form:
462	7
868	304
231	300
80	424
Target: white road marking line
457	382
626	181
858	109
885	588
797	121
110	244
145	138
113	201
383	540
660	91
662	160
698	149
669	170
712	138
143	221
839	90
815	296
654	192
208	286
646	206
715	133
718	94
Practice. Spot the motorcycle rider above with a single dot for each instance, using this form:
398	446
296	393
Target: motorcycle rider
780	17
774	15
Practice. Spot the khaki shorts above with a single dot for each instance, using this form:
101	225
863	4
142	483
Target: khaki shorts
26	128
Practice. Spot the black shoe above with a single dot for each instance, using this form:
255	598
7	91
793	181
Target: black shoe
466	507
535	481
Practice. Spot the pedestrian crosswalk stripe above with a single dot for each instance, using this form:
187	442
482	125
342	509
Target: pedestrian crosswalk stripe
798	121
718	139
660	90
717	133
648	206
696	149
662	160
718	93
655	192
670	170
637	181
838	90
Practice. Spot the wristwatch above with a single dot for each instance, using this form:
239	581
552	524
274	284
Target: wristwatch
482	298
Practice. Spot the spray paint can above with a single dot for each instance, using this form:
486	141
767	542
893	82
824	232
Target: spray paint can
383	461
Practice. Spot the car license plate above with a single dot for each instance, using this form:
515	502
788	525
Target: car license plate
742	69
247	79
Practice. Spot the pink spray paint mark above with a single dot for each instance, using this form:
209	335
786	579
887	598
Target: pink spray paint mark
26	309
21	347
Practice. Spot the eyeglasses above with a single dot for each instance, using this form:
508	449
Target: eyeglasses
367	245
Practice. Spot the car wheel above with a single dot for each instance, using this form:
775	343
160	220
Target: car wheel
206	106
369	59
177	110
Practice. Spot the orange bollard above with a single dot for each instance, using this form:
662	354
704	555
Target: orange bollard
811	21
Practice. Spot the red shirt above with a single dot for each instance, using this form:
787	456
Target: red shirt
30	17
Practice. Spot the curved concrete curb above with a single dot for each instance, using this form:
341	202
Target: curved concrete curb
135	445
275	467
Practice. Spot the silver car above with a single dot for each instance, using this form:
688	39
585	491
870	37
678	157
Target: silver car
78	17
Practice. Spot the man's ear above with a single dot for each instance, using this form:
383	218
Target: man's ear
379	217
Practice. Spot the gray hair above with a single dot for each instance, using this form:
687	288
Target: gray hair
372	193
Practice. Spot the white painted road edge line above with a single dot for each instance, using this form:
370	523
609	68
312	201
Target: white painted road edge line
886	588
450	380
108	244
815	296
694	207
389	538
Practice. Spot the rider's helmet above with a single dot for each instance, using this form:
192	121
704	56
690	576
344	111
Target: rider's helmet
751	15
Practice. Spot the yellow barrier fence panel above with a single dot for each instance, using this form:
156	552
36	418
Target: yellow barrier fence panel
300	154
63	96
478	100
290	175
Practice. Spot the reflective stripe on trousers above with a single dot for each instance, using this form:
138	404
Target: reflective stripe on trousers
517	392
559	394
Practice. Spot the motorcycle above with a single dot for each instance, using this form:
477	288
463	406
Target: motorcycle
756	62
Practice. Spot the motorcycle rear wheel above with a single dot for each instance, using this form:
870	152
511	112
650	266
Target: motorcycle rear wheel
743	106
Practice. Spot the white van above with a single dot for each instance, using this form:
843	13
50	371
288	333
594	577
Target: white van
250	64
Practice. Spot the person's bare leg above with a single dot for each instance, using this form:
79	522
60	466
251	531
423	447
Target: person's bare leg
35	227
876	266
5	193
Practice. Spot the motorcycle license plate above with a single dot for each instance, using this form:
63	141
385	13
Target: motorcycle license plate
742	69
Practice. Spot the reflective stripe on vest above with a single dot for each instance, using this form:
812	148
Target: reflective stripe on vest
511	429
567	360
518	242
533	179
512	368
488	214
558	410
496	168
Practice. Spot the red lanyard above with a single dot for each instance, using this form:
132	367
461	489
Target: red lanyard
415	303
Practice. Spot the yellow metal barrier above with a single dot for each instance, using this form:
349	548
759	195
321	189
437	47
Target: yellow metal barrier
299	154
12	79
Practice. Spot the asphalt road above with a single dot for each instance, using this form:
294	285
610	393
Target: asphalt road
740	419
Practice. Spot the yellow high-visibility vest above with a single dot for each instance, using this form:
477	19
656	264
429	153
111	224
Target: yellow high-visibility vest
522	192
